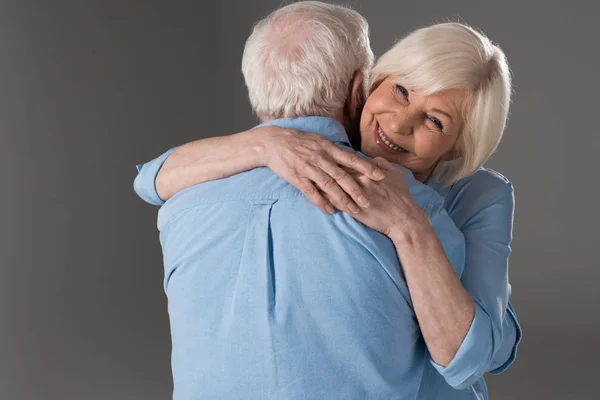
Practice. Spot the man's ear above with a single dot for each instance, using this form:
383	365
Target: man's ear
356	96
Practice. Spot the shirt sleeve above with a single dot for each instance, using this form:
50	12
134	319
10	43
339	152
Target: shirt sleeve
491	342
511	338
144	183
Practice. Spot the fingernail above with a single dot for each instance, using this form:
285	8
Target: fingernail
362	200
378	174
354	208
329	208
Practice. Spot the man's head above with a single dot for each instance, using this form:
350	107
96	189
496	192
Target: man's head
308	59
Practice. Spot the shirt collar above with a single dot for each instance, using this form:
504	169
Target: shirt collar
329	128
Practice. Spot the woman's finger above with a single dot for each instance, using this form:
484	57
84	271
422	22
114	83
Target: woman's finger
346	182
329	185
314	195
382	163
356	162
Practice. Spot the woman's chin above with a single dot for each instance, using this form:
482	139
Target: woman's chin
374	151
370	150
403	159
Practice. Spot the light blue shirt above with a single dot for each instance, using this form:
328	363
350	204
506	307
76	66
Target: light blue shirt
270	298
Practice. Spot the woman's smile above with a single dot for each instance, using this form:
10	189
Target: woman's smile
385	142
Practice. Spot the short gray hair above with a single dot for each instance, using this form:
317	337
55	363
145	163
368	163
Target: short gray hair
455	56
301	58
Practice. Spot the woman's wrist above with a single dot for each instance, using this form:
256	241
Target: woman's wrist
414	230
256	141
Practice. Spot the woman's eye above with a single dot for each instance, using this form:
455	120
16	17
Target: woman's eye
436	122
402	90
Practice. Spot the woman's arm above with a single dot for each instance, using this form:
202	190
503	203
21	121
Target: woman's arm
444	308
486	210
207	160
465	323
308	161
464	320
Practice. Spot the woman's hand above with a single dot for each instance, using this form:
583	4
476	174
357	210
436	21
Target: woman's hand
314	164
392	205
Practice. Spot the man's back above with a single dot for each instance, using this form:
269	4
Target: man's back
269	298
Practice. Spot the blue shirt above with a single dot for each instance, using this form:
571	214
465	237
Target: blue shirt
254	312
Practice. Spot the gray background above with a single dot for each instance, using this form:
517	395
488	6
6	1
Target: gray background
90	88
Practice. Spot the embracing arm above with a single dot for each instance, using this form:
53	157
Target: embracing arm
464	321
442	305
306	160
208	159
196	162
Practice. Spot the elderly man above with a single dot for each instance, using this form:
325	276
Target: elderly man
269	298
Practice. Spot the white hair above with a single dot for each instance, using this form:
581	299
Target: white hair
455	56
300	59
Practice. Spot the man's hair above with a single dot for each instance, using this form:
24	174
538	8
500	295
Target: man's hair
300	59
455	56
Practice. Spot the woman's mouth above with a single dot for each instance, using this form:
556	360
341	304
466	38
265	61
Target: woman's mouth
385	142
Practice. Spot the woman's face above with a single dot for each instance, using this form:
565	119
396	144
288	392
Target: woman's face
412	130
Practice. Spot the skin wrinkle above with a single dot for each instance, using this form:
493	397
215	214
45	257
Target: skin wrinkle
404	122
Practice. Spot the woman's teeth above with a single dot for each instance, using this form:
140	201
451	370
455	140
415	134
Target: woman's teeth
388	143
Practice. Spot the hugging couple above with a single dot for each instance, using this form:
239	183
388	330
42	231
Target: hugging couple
351	246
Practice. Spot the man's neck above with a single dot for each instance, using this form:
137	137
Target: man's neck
351	127
339	116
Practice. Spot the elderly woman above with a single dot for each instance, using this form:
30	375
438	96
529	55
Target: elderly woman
437	105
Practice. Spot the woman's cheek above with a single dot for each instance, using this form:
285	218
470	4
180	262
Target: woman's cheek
427	149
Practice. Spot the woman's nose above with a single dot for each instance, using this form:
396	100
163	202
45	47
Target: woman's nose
402	124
